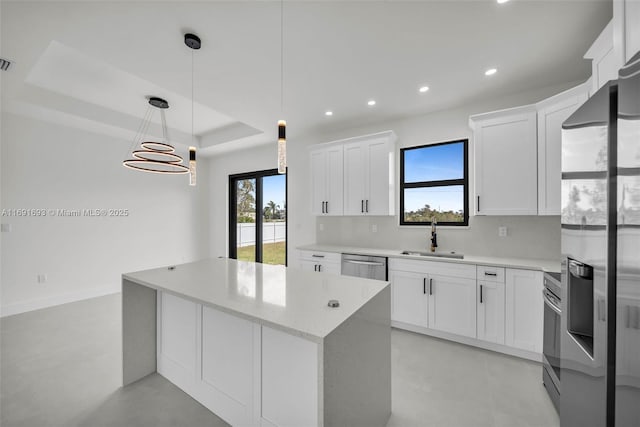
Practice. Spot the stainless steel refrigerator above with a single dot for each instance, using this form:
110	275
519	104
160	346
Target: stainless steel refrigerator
600	321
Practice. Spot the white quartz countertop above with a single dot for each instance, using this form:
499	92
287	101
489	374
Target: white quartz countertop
286	298
548	265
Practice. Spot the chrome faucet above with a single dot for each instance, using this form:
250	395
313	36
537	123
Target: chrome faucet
434	241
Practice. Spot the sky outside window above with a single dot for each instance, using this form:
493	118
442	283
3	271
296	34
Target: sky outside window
273	189
435	163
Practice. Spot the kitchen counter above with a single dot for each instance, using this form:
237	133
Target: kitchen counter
546	265
258	344
288	299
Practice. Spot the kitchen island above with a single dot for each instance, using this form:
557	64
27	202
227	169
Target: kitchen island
259	345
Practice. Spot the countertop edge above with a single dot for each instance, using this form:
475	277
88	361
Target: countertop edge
519	263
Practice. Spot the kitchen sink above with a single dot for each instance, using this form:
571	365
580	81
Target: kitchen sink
434	254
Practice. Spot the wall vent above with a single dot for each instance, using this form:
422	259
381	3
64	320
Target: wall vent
4	64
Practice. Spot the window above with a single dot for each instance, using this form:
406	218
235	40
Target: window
258	235
434	184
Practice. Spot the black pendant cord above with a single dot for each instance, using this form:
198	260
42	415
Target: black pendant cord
281	56
192	101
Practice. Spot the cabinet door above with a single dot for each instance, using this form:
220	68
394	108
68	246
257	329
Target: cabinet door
524	309
228	348
550	119
631	28
452	305
354	178
318	181
289	380
506	164
379	180
491	311
308	265
329	267
334	180
409	297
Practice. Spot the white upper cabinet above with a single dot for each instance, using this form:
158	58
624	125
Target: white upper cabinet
605	61
326	181
626	29
368	176
354	176
506	162
552	112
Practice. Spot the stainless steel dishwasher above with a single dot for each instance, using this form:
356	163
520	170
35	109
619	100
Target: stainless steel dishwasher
368	267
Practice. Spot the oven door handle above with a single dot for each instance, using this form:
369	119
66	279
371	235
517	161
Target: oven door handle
550	303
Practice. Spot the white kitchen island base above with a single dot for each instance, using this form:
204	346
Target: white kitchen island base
254	372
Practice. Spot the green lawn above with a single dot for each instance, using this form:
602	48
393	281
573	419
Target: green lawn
272	253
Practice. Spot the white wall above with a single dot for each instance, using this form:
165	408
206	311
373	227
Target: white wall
533	237
45	166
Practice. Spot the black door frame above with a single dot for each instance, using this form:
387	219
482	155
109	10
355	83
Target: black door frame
233	211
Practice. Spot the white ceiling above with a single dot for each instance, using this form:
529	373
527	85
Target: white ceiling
90	64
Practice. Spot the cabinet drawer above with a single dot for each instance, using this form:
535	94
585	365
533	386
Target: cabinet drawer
320	256
490	274
450	269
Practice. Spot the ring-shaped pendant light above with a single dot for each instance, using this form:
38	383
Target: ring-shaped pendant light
156	157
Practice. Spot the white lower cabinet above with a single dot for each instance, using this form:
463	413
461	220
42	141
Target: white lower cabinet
409	297
246	373
318	261
227	365
494	307
289	380
524	306
491	311
452	305
435	301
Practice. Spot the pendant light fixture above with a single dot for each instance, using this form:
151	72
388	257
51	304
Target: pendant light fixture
193	42
282	124
154	156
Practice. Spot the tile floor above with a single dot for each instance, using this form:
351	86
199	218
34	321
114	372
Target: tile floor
61	366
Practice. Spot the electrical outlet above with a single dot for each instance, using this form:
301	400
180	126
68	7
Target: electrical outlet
6	228
374	228
502	231
321	227
42	278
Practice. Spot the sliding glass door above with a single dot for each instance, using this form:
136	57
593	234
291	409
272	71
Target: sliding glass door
258	217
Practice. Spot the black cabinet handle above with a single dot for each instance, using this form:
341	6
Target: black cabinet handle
480	294
322	207
366	204
361	205
478	203
327	207
315	267
487	273
430	286
424	285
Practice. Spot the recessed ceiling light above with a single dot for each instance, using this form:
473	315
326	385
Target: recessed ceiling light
423	89
328	113
371	103
490	71
502	1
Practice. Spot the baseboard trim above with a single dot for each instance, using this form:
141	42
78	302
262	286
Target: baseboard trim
37	304
498	348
